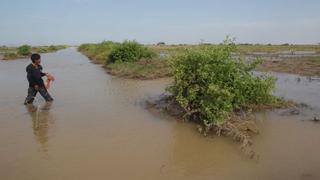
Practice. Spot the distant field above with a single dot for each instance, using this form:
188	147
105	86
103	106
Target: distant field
243	49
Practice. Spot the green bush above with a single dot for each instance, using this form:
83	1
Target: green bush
129	51
99	52
210	82
24	50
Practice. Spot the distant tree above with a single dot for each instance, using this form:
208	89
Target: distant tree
53	48
161	43
24	50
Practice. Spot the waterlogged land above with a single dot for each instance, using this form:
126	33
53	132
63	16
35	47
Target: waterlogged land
12	53
98	128
295	59
306	66
243	49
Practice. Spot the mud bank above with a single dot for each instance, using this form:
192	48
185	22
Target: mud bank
306	66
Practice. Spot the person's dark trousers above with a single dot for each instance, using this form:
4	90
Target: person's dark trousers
32	92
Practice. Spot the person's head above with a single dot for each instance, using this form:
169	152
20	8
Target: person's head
36	58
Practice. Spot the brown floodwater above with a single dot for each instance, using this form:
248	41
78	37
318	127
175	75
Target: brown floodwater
98	128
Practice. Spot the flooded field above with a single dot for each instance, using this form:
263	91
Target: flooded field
98	128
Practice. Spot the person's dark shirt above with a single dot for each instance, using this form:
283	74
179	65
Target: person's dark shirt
34	75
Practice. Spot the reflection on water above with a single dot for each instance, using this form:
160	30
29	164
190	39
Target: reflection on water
41	121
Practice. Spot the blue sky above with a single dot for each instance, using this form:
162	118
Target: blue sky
40	22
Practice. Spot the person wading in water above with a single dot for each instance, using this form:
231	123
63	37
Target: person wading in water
36	84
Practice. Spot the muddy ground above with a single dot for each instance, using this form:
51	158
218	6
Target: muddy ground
306	66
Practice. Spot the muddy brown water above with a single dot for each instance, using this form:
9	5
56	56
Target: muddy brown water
98	128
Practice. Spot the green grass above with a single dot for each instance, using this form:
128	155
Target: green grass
143	69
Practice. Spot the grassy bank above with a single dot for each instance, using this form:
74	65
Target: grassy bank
24	51
128	59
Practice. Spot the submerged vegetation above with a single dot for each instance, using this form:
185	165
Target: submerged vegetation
218	91
11	53
209	83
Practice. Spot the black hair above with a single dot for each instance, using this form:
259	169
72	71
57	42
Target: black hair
35	57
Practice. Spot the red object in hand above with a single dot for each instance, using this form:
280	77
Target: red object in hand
48	81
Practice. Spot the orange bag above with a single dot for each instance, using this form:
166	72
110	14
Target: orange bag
48	81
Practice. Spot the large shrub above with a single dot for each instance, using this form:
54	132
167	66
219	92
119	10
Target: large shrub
129	51
24	50
210	82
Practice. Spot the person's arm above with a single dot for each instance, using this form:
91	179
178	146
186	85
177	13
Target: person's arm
41	73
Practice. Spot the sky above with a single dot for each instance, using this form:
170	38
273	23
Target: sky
43	22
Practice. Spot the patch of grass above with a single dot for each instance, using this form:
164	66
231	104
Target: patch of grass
142	69
98	53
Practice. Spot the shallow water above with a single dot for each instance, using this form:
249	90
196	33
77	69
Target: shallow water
98	128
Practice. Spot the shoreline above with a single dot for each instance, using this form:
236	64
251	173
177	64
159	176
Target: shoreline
11	53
